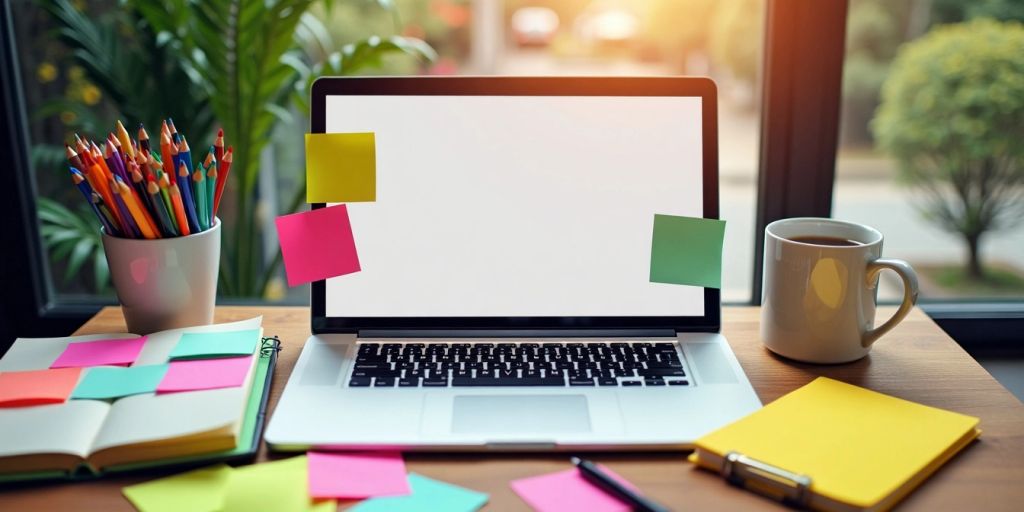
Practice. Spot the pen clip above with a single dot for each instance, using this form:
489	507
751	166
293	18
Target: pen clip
791	488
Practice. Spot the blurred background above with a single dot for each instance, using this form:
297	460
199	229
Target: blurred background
85	64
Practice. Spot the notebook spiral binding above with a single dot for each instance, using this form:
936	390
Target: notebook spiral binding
270	345
793	489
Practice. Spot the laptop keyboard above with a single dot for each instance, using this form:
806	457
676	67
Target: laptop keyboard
517	364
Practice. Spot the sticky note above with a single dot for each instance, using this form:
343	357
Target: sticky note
205	374
427	494
279	486
357	475
201	490
105	382
317	244
568	490
341	167
37	387
99	353
204	345
687	250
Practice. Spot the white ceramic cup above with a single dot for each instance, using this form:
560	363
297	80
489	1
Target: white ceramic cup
818	302
165	283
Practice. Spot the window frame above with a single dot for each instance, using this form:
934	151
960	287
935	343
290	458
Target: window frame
803	58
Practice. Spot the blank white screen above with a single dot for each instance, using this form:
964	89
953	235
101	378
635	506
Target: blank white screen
518	205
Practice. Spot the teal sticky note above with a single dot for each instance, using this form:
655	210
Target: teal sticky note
106	382
687	251
207	345
427	494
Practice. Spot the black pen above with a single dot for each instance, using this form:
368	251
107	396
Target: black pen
594	475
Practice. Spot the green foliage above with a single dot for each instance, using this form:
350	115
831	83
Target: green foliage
952	113
74	241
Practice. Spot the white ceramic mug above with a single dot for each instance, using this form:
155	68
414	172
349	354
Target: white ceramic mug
165	283
818	299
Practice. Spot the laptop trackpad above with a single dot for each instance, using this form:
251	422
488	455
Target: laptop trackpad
517	414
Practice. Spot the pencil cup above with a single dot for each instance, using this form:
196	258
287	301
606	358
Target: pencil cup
165	283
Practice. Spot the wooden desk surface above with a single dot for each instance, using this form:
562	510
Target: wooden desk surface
917	361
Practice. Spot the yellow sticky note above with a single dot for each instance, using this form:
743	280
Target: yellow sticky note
341	167
201	490
280	486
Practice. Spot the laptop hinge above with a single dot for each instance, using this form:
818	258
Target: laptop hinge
513	333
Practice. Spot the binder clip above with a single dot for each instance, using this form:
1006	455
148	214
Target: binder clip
790	488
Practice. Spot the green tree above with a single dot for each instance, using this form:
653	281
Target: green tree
952	113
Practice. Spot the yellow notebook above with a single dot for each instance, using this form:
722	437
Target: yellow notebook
835	446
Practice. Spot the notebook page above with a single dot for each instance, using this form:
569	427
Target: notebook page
40	353
159	345
151	417
59	428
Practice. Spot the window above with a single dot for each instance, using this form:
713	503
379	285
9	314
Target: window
930	151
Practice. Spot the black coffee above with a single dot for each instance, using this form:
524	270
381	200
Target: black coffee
826	240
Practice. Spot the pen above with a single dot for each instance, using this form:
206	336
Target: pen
594	475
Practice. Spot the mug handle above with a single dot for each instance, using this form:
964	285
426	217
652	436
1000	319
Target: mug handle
906	272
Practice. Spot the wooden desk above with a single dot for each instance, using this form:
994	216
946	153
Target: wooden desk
917	361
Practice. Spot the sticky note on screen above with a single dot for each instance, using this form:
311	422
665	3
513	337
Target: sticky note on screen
201	490
427	494
99	353
203	345
357	475
317	244
37	387
568	490
202	374
279	486
687	251
341	167
106	382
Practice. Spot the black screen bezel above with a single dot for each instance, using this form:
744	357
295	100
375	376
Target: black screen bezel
529	86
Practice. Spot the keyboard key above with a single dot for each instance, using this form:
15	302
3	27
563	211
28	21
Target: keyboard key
380	382
491	382
654	382
359	382
661	372
435	383
631	383
581	382
607	381
678	383
408	383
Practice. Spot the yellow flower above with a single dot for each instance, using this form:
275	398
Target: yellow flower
46	72
91	94
68	117
275	290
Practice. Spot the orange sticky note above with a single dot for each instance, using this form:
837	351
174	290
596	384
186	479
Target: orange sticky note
37	387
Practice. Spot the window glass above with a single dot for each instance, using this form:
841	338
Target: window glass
86	64
930	146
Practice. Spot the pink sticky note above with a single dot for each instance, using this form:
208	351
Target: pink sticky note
37	387
99	353
200	374
317	244
357	475
568	490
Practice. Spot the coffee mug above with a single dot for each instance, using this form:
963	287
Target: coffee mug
820	287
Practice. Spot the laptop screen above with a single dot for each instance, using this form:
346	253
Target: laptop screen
518	206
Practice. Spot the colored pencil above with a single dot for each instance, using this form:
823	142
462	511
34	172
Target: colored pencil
211	187
127	221
179	209
223	168
86	190
218	145
125	139
108	217
199	198
162	215
185	187
135	210
143	138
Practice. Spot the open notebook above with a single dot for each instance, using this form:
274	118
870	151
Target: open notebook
86	438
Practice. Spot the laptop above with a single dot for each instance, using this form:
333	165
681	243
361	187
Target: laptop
504	300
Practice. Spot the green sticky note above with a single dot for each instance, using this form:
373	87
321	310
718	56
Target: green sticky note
427	494
687	250
279	486
206	345
105	382
341	167
201	490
